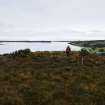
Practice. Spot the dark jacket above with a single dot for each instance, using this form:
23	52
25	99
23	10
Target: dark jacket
68	50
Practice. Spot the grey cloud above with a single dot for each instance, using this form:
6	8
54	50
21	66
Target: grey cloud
52	19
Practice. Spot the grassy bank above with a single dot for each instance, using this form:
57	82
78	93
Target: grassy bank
51	78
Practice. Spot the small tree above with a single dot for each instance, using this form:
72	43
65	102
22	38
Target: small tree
83	53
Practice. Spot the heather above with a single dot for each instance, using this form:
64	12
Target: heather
51	78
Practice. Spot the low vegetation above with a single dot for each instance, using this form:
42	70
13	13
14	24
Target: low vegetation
51	78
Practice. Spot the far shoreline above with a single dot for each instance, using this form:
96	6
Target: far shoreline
32	41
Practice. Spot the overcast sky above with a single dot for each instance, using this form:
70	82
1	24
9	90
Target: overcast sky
52	19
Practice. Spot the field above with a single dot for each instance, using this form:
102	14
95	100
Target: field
51	78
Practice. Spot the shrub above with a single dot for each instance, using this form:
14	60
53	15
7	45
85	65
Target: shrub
21	53
101	50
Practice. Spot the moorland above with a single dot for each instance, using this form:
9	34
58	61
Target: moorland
51	78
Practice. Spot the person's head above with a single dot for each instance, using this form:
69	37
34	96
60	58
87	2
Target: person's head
68	46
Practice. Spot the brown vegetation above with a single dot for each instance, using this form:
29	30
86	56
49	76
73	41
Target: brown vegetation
51	78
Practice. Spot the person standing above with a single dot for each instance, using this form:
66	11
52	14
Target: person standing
68	50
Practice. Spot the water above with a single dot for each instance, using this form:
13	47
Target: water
9	47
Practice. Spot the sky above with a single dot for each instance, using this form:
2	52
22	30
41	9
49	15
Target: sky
52	19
